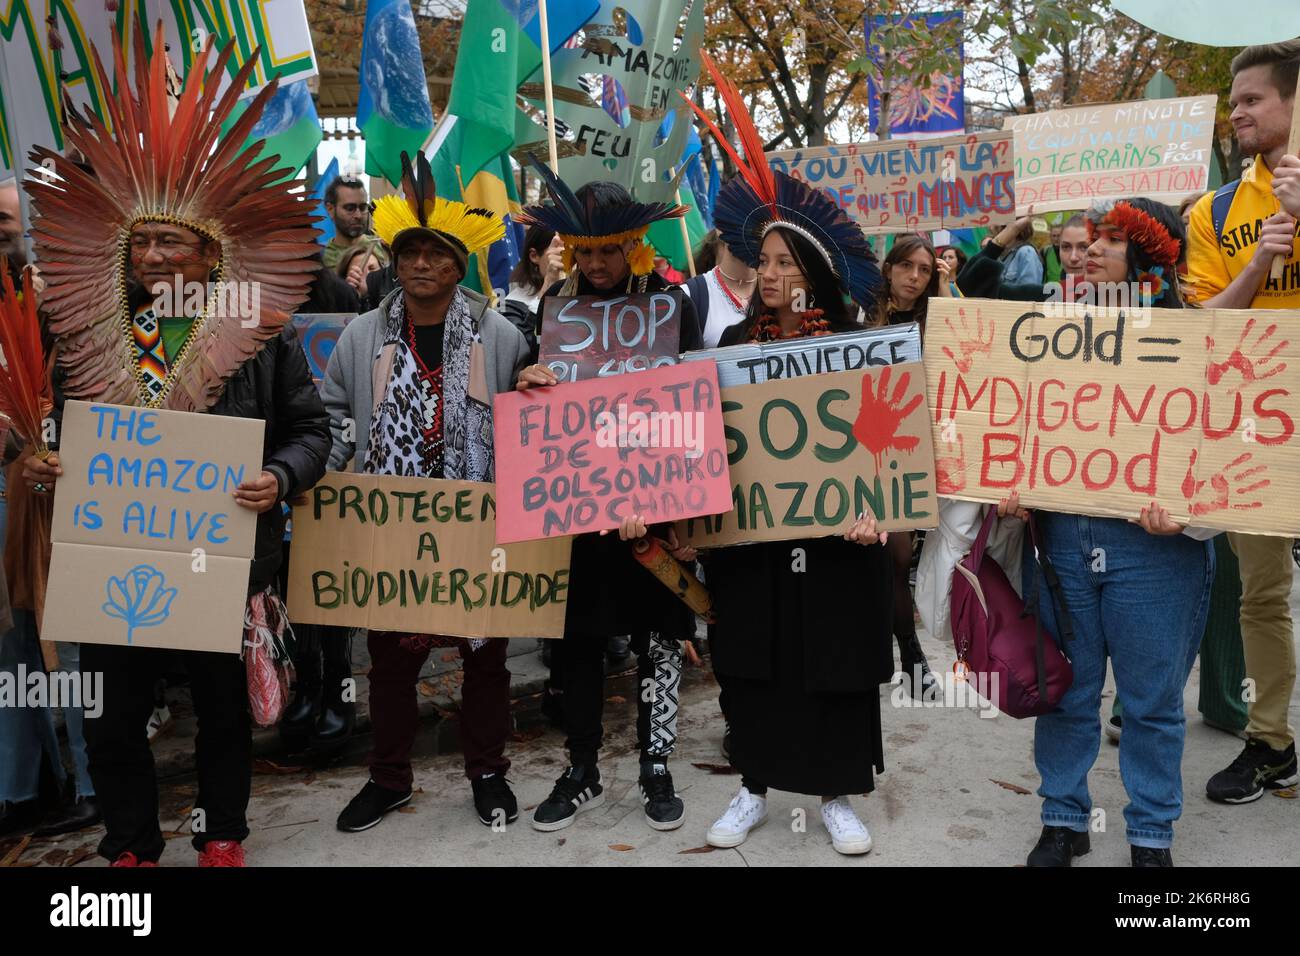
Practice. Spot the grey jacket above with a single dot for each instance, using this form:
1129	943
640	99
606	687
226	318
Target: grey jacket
347	387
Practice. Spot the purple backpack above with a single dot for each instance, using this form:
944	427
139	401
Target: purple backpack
1000	641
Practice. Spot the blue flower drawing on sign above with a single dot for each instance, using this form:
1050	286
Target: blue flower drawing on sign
139	598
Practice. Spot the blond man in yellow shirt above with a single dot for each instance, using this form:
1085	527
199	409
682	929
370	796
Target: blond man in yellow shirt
1228	268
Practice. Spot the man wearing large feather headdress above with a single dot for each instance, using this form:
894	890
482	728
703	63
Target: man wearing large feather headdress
409	391
136	244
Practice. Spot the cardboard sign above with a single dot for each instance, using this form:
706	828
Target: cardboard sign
420	555
848	351
912	185
1099	411
590	337
809	454
583	456
1160	149
150	548
319	333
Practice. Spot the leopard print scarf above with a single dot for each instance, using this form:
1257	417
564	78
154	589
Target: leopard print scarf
398	444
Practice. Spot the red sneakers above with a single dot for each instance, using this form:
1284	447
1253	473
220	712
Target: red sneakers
222	853
129	859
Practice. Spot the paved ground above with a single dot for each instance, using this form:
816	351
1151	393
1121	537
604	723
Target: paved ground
958	790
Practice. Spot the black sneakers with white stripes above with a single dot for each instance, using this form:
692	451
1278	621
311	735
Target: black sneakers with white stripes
578	789
664	810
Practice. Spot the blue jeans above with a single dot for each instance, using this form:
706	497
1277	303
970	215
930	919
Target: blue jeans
26	733
1144	608
75	718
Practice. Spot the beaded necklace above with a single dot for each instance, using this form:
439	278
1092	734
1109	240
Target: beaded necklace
811	324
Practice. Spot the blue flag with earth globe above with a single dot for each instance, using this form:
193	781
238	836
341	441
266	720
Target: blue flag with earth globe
288	127
393	108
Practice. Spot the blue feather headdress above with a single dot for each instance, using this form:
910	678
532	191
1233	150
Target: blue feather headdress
588	224
758	200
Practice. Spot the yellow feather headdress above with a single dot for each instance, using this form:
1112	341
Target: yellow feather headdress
465	229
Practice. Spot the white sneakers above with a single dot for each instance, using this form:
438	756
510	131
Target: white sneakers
745	812
848	834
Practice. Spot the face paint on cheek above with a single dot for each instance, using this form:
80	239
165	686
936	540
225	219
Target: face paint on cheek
185	257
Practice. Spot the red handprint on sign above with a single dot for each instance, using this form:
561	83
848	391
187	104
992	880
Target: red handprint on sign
879	416
1202	502
950	469
968	343
1250	370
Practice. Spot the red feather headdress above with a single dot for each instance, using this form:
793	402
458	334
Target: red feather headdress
1141	228
25	392
157	165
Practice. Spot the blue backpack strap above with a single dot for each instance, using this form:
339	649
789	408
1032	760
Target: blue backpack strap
698	287
1220	205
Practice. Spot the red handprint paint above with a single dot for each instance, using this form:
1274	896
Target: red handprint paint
1251	370
1221	490
880	416
969	342
950	469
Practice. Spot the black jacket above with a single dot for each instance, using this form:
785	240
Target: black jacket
329	293
276	386
609	592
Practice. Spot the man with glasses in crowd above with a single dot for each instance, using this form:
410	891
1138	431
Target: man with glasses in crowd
348	206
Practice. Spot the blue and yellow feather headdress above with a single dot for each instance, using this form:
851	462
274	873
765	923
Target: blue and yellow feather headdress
758	200
588	224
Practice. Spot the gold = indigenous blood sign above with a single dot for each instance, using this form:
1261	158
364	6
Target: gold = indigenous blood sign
1101	411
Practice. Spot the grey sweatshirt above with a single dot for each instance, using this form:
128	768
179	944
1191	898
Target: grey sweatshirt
347	384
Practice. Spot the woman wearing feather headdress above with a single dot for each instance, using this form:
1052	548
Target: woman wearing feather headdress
416	378
168	207
603	230
802	639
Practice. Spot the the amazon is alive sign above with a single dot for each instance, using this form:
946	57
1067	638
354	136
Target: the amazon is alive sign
150	547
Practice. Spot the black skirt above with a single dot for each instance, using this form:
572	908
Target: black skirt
800	655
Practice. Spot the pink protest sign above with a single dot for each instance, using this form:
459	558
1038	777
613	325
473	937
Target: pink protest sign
583	456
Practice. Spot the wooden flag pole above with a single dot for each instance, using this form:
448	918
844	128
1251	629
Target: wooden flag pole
1293	149
686	237
546	83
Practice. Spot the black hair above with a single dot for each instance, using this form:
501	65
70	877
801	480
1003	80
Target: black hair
958	252
1139	261
347	182
603	194
706	254
526	272
824	289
